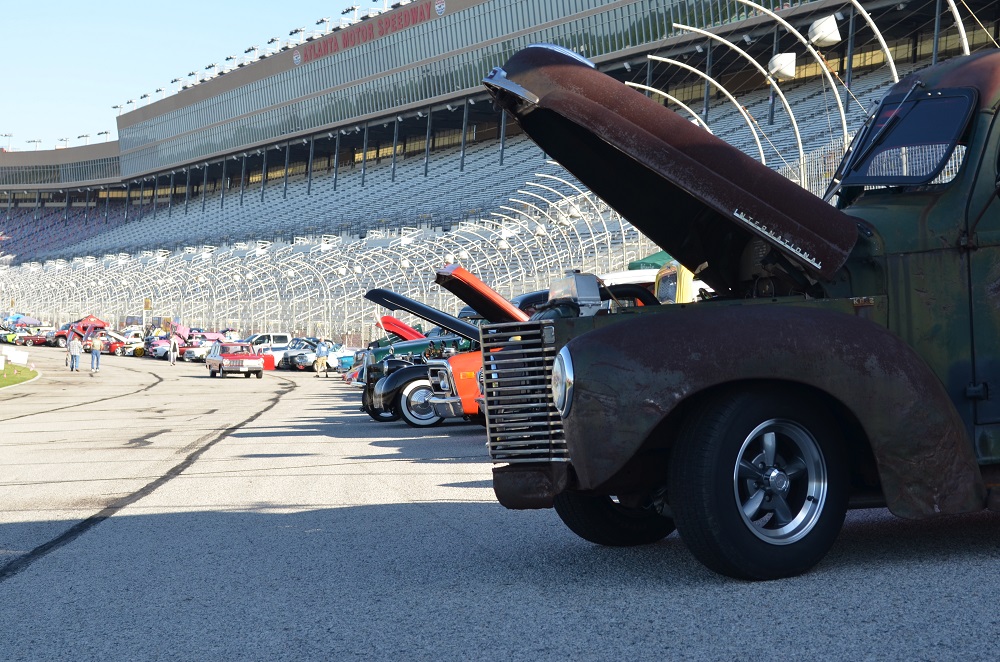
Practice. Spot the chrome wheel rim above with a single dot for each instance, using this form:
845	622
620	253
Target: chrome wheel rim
418	402
780	482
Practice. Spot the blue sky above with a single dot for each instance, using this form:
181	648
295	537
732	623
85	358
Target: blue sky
65	64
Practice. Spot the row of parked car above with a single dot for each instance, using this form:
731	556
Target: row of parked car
426	379
194	344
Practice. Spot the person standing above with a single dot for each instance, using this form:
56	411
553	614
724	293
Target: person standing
174	349
96	345
75	348
322	352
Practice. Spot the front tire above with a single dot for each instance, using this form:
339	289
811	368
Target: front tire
758	484
380	415
260	374
61	342
212	373
29	343
603	520
119	351
413	404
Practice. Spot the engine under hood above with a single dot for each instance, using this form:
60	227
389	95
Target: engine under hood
699	198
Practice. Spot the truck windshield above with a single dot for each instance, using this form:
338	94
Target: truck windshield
913	141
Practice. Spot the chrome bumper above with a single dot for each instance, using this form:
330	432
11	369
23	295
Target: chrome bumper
447	407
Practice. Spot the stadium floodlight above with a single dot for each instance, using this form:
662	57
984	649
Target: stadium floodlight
8	136
348	10
35	142
824	33
118	108
273	40
85	136
175	80
106	135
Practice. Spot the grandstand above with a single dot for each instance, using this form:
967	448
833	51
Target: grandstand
273	194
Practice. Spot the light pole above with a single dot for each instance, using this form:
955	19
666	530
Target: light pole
295	32
35	143
325	21
106	134
117	107
8	136
144	97
85	136
348	10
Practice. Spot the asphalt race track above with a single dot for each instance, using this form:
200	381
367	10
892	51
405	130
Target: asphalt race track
150	512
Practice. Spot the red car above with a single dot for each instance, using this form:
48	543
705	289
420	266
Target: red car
112	342
36	339
238	357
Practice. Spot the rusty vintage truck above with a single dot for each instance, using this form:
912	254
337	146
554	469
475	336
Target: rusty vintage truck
848	358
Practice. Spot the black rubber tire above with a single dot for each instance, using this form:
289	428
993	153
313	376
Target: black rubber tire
412	406
379	415
805	475
119	351
212	373
600	519
247	375
29	343
260	374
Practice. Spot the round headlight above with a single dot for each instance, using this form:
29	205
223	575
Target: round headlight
562	382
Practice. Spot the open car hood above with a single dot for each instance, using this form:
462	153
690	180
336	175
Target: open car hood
394	301
696	196
390	324
484	300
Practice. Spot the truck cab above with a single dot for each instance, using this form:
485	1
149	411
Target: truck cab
846	357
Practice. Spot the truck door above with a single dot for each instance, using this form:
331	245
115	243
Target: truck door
984	268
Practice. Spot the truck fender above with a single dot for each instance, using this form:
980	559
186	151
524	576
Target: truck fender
389	386
630	375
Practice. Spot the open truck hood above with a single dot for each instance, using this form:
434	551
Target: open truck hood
696	196
394	301
481	297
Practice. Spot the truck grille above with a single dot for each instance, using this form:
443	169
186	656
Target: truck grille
522	423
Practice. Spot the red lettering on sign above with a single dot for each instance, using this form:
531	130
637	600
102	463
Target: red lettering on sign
358	34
